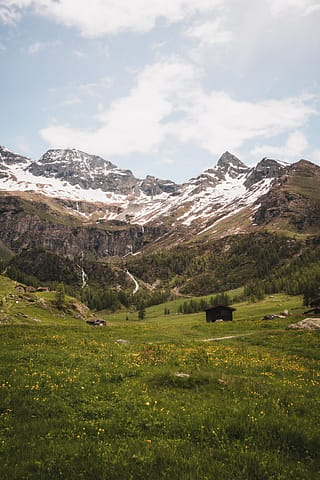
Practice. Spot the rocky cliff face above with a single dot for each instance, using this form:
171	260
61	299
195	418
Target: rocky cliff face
8	158
87	171
102	209
23	226
265	169
93	172
294	201
231	165
228	167
97	189
152	186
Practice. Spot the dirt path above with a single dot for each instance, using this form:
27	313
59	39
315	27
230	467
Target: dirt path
226	338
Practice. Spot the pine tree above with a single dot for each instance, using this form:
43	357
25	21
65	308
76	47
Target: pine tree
60	296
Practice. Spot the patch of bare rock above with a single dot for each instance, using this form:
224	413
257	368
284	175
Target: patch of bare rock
307	324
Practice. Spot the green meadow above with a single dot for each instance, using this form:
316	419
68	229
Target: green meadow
167	397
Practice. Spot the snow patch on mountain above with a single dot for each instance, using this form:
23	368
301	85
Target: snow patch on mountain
74	175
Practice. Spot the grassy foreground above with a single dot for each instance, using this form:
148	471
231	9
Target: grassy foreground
159	398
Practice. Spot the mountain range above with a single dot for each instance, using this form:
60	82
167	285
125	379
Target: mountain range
95	190
80	208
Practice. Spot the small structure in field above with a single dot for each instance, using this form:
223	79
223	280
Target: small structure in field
43	289
96	322
219	312
315	310
315	302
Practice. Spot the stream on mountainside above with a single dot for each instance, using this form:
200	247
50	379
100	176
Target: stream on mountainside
137	286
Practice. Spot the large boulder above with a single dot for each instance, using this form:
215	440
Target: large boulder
307	324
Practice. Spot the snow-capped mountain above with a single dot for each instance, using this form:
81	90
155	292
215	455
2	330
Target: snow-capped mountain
198	204
72	216
72	174
218	193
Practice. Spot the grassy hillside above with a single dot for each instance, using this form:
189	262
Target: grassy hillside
201	268
36	308
164	398
305	180
46	208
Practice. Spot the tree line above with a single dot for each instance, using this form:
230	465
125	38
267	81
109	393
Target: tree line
195	306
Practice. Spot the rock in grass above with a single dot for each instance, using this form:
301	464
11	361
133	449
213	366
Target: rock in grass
307	324
182	375
222	382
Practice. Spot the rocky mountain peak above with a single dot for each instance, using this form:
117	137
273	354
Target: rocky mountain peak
93	172
227	159
270	166
76	157
95	187
304	166
230	164
9	158
87	171
154	186
267	168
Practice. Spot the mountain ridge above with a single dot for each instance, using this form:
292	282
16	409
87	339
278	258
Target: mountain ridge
215	231
93	191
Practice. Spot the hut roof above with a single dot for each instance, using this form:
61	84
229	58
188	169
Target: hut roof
315	302
314	310
213	307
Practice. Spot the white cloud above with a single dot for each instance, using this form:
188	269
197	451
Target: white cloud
217	121
159	45
92	89
9	16
70	101
38	47
3	48
35	48
169	102
80	53
110	17
133	123
305	7
312	9
294	147
209	33
113	16
11	10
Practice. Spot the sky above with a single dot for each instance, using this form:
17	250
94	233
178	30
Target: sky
162	88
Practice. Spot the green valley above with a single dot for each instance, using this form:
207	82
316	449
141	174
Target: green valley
167	397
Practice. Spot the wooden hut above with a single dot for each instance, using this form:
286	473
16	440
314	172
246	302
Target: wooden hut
315	302
315	310
219	312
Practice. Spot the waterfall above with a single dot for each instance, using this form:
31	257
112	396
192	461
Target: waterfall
84	278
137	286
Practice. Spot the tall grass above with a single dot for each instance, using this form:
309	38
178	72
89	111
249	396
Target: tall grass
75	403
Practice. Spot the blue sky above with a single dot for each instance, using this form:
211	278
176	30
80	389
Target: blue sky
162	89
